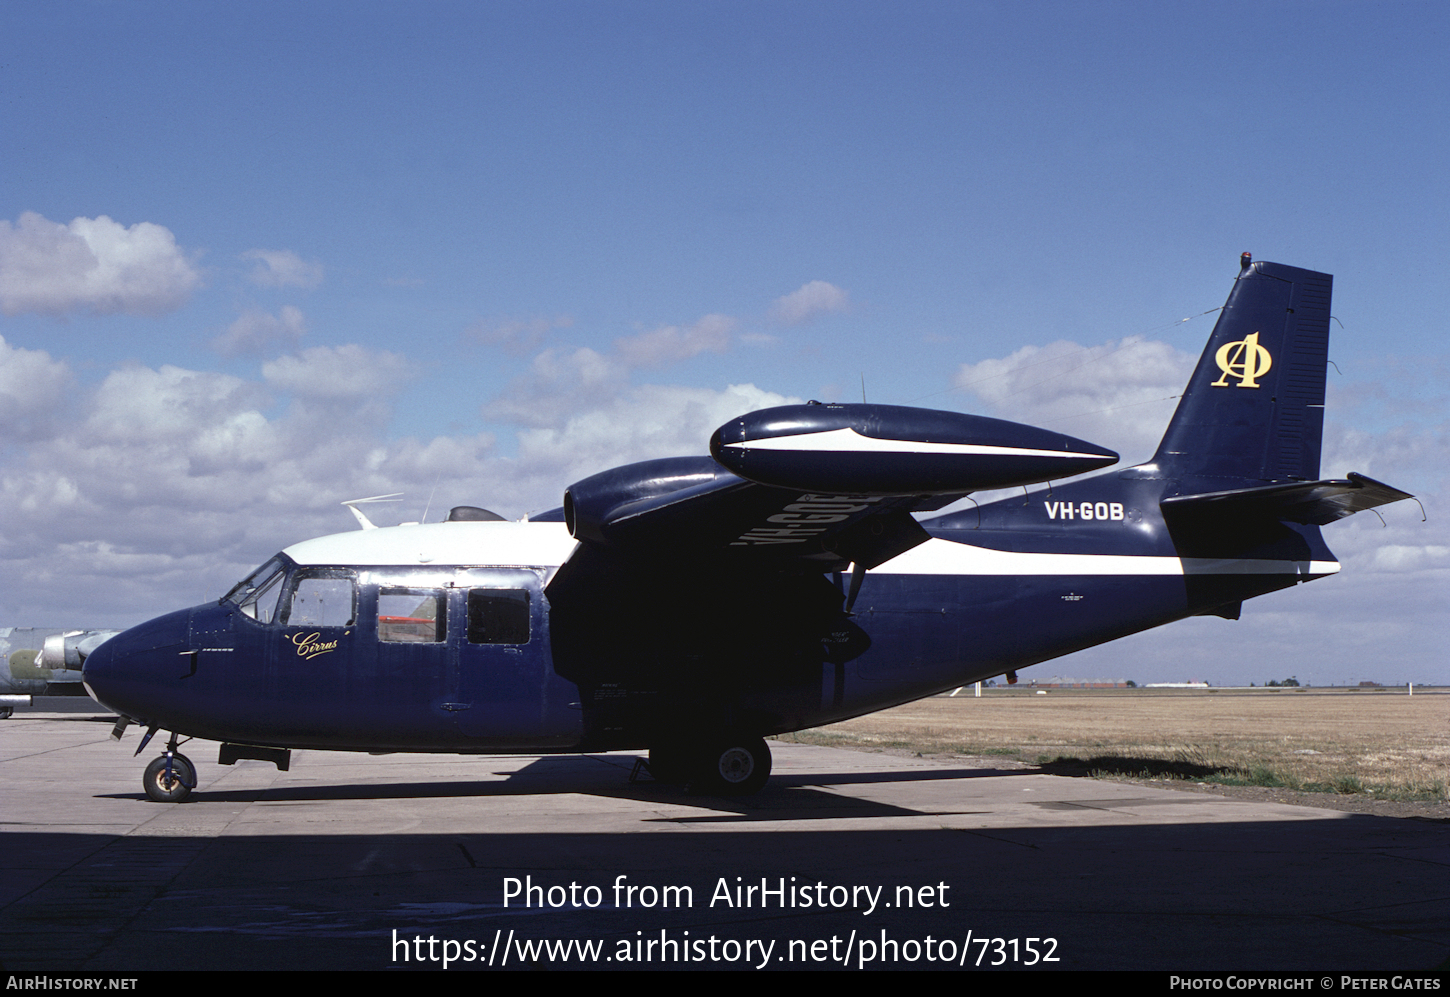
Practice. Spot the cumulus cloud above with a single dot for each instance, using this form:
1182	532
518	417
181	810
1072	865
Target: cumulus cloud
163	486
338	372
33	389
142	406
562	380
640	424
92	264
559	381
256	331
810	301
1120	394
672	343
282	268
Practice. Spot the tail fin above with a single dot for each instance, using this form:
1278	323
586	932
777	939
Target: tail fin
1254	410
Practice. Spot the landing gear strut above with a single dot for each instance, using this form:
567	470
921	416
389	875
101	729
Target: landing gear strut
170	778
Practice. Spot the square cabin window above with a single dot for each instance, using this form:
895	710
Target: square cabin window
411	616
498	616
322	601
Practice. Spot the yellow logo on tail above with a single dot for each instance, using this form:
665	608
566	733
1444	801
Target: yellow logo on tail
1245	360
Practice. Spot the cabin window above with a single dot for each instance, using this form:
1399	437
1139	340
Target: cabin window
322	600
498	616
414	616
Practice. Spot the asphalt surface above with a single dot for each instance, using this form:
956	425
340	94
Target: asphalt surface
401	862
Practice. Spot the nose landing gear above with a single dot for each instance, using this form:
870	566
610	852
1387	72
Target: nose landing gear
170	778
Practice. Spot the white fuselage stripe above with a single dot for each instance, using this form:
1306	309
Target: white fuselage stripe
849	441
549	545
947	557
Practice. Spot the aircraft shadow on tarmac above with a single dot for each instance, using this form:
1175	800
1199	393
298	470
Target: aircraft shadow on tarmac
786	797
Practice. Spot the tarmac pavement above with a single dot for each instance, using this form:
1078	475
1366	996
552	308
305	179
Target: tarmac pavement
857	860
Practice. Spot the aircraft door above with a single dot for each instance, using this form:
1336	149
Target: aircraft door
498	622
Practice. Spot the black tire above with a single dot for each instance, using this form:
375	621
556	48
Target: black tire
180	785
734	766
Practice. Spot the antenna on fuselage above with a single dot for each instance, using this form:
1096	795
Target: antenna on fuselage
363	521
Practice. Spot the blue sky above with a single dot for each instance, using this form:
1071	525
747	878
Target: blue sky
475	251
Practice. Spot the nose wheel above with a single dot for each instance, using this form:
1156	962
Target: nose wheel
170	778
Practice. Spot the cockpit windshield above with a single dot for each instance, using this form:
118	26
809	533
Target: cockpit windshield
256	595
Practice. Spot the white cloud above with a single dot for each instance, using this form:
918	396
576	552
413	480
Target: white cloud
93	264
338	372
643	423
810	301
255	331
672	343
559	381
141	406
33	389
282	268
1120	394
1405	557
162	486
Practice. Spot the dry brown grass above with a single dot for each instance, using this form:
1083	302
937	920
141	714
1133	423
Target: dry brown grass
1329	740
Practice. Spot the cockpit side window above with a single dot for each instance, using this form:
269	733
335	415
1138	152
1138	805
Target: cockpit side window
411	615
256	595
322	597
261	605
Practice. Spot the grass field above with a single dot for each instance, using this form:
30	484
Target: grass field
1382	743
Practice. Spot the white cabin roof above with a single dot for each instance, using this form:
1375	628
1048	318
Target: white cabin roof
467	543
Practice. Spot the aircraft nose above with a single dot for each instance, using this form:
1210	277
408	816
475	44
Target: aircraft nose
97	671
134	672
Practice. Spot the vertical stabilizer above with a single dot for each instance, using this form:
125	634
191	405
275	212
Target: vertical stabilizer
1254	409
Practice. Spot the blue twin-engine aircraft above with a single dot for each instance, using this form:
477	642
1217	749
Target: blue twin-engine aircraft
695	605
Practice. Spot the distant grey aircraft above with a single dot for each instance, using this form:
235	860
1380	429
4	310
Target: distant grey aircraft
43	662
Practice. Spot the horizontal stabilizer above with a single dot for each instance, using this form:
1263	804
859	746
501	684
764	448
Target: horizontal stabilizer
1313	503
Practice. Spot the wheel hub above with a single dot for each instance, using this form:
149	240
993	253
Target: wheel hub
736	765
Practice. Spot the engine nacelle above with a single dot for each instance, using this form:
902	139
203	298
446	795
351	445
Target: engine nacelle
895	450
70	650
593	505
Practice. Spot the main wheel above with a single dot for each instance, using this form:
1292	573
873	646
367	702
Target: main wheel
735	766
169	790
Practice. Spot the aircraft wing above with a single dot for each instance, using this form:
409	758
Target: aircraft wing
820	486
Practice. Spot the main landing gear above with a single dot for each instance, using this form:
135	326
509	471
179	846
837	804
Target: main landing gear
170	778
729	765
